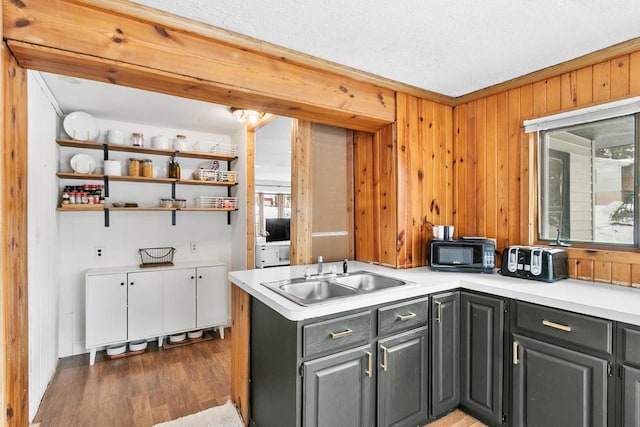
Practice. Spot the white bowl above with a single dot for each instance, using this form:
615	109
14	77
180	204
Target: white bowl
177	337
137	345
115	136
194	334
113	350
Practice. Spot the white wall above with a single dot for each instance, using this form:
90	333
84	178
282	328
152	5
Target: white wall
82	232
42	229
239	219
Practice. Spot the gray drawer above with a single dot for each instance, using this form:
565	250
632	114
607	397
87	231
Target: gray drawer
631	343
578	329
335	334
403	316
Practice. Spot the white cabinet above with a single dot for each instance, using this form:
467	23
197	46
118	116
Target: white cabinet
179	300
106	308
130	303
144	304
212	297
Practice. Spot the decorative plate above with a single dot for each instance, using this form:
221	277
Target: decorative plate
82	163
81	126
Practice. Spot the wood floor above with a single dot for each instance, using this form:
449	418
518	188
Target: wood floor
151	388
140	390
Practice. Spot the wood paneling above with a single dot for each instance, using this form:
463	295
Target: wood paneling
240	336
375	196
13	256
301	191
505	186
425	175
101	37
251	200
603	55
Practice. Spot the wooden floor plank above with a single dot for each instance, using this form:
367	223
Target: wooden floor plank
142	390
151	388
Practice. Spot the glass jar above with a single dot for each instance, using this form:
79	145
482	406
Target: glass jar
147	168
137	140
180	143
134	167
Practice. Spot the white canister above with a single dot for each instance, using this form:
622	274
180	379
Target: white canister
160	142
113	167
115	136
180	143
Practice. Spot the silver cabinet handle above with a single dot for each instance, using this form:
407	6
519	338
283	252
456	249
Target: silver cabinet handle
369	370
439	311
515	353
403	317
336	335
385	358
556	325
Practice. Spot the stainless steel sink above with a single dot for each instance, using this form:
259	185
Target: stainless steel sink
313	290
365	281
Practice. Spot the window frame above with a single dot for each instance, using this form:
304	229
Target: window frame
540	181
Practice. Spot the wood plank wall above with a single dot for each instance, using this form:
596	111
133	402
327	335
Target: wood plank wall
375	218
425	175
495	189
13	235
404	183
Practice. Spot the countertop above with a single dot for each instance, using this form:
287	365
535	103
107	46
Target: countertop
602	300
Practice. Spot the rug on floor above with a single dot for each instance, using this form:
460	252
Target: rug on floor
219	416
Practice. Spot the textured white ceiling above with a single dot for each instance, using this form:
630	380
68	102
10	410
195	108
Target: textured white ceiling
452	47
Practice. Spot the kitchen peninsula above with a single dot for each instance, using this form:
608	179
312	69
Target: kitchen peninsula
584	334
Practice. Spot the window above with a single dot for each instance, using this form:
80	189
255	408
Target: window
588	182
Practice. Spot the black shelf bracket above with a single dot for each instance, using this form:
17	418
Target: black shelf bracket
173	190
106	186
105	151
106	217
173	217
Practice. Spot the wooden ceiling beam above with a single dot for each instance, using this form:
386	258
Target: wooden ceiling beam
122	45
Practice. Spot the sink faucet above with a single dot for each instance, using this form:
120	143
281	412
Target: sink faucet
320	265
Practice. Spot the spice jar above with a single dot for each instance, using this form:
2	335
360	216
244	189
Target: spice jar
147	168
166	203
137	140
134	167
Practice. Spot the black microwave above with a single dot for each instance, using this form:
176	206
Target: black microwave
475	255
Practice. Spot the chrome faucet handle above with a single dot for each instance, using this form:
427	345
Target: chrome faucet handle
345	266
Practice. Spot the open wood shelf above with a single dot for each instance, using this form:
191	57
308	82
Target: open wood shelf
127	178
143	150
85	208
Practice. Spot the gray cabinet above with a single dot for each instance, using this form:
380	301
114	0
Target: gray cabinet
338	389
336	370
562	368
631	402
403	379
555	386
481	356
629	358
445	353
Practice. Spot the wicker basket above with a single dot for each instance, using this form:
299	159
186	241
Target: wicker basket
156	257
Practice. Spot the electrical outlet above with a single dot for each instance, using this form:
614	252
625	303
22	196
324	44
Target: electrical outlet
99	252
194	247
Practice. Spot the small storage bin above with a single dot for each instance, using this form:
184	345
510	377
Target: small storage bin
154	257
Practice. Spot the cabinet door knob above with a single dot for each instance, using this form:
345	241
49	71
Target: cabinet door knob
199	277
192	277
131	283
121	283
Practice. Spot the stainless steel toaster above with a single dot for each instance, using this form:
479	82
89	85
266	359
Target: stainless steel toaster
535	263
